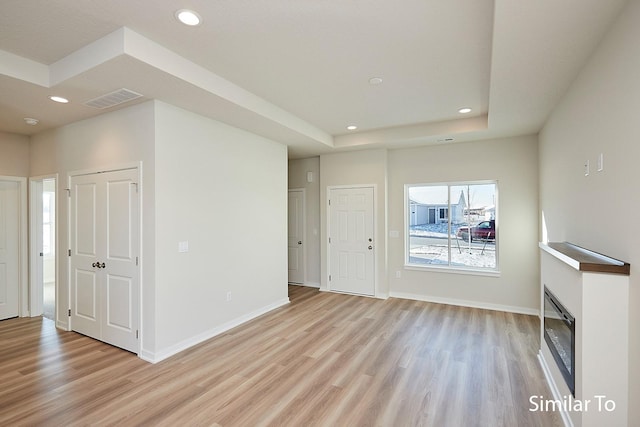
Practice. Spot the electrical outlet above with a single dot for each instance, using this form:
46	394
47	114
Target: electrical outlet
229	296
398	274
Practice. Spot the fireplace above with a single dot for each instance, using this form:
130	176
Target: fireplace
559	333
584	330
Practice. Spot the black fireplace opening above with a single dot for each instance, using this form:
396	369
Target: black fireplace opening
559	333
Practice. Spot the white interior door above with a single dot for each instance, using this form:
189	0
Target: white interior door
296	236
104	248
120	270
9	249
351	245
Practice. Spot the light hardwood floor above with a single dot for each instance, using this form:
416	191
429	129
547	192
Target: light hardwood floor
325	359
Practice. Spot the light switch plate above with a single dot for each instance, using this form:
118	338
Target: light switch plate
183	247
600	162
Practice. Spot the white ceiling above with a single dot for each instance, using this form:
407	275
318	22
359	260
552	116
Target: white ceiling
298	71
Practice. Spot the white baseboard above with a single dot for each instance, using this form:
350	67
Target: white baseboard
554	389
62	325
155	357
466	303
147	356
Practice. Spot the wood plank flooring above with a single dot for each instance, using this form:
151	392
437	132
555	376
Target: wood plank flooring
325	359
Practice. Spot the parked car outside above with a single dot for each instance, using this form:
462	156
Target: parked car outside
486	230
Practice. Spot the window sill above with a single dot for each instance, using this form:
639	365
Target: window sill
467	271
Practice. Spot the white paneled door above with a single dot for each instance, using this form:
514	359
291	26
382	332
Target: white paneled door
104	257
351	245
296	236
9	249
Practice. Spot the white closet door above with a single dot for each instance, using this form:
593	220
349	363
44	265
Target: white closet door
104	250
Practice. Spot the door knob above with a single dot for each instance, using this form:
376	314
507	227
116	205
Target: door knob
299	242
370	247
101	265
95	264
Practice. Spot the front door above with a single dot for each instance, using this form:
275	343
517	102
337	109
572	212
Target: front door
352	263
104	256
9	249
296	237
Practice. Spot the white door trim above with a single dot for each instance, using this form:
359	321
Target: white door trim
23	242
375	231
138	167
304	231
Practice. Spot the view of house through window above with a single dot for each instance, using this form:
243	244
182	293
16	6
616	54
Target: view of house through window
452	225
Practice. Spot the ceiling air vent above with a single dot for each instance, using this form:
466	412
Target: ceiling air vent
114	98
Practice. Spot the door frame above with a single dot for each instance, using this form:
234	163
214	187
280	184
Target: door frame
36	281
375	232
113	168
23	244
304	231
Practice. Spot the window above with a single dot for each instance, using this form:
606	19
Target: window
48	223
452	226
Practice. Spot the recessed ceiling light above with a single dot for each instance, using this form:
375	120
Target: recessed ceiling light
188	17
464	110
352	127
31	121
375	80
59	99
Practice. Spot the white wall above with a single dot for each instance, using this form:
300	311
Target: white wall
298	179
14	160
599	114
221	189
224	191
114	138
513	163
357	168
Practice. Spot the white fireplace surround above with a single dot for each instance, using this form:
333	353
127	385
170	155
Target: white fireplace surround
595	289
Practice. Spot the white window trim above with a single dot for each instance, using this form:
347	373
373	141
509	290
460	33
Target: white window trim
493	272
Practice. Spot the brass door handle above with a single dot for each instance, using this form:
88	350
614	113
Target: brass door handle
98	265
299	242
370	247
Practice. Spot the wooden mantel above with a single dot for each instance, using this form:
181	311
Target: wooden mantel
585	260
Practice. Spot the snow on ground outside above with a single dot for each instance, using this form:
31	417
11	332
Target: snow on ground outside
433	230
478	255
